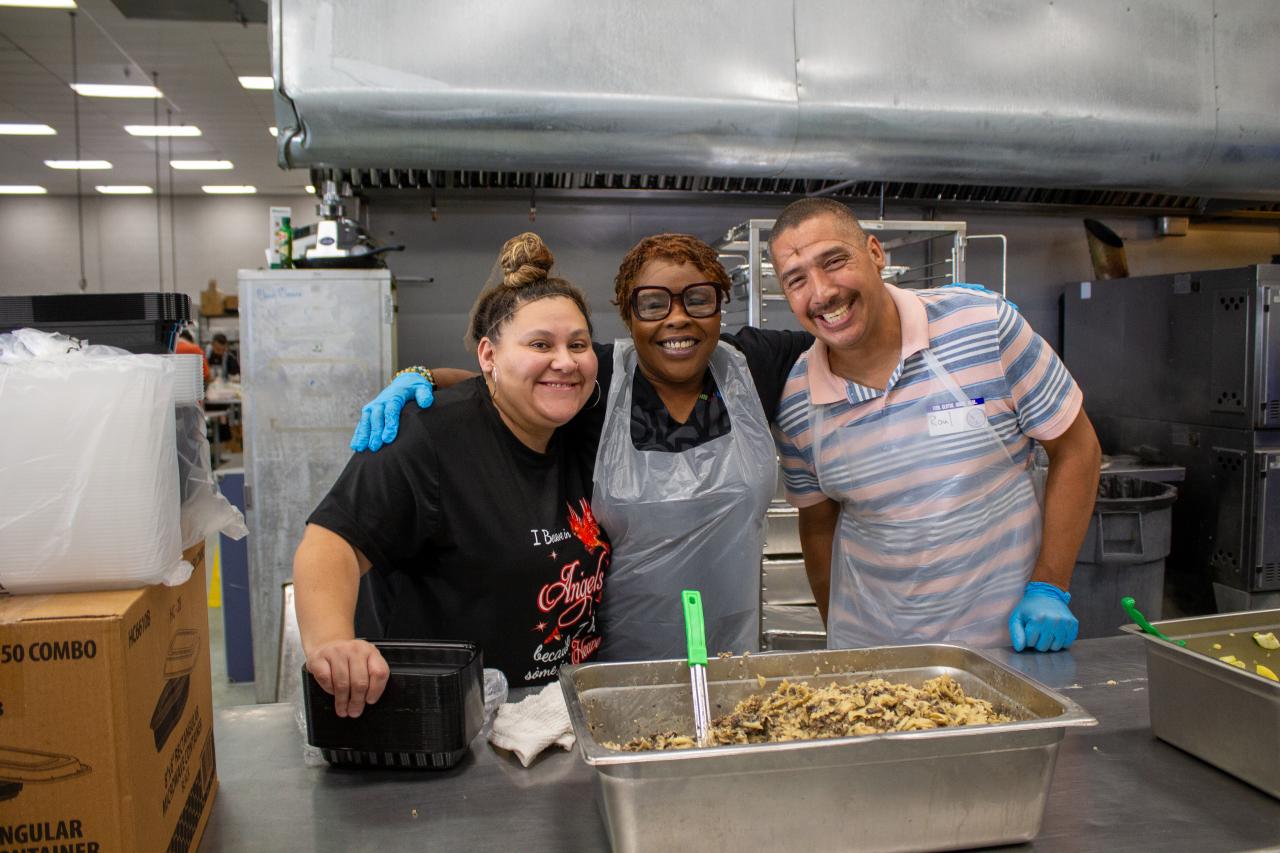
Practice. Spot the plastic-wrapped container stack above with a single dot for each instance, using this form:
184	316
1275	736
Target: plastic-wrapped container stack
89	486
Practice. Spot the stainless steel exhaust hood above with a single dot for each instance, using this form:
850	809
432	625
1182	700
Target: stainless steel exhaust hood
1171	95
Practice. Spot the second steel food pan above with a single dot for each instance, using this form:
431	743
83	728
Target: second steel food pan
1223	714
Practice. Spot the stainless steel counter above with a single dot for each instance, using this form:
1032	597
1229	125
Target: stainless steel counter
1115	787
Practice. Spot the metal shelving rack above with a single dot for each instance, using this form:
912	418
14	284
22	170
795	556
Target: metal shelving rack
747	241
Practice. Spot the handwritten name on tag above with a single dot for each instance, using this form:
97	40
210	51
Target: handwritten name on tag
956	417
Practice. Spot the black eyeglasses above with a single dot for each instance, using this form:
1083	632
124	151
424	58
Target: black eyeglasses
653	302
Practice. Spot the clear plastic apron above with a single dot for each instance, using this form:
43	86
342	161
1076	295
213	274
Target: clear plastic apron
689	520
939	528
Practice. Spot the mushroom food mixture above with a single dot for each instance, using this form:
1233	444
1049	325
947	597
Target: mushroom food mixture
796	711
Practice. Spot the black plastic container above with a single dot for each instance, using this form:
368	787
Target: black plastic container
431	710
137	322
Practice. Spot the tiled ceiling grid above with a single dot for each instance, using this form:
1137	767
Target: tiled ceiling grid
198	63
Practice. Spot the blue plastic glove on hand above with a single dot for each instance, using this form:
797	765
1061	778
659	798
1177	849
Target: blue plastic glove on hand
1042	619
980	289
380	420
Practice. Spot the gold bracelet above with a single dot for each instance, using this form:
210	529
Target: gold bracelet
424	372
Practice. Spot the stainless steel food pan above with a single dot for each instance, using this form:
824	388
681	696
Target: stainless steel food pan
1226	716
940	789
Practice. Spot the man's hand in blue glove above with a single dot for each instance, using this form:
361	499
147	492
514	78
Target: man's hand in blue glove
380	420
979	289
1042	619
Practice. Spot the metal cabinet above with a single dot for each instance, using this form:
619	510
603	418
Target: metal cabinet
1200	388
316	345
789	617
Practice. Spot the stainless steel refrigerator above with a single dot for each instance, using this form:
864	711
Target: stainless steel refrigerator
1185	369
316	345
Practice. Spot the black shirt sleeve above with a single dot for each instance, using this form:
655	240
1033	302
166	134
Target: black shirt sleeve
770	356
386	504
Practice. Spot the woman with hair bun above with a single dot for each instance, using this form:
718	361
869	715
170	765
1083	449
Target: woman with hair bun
479	517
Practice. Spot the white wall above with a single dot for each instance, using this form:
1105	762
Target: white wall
215	236
218	235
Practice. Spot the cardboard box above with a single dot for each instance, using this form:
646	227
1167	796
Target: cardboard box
106	719
211	300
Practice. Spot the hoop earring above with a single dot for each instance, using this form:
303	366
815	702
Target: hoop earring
494	392
599	394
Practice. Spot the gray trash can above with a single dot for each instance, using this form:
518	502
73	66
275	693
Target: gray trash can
1123	553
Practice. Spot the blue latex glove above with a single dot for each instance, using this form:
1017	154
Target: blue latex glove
980	289
380	420
1042	619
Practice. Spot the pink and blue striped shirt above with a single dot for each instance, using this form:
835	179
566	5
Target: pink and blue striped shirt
986	347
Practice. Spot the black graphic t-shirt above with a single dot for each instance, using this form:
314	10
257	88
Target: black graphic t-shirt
480	537
770	356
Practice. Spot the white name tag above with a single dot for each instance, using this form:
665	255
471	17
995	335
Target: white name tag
952	418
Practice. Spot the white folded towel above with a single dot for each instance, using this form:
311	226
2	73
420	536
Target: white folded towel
531	725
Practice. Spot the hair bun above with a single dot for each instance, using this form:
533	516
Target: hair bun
525	260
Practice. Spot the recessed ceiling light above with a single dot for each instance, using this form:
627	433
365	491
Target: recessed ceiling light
123	189
26	129
229	189
40	4
310	189
114	90
201	165
162	130
263	83
21	189
77	164
273	130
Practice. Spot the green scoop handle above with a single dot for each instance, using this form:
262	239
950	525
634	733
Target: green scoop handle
694	632
1131	608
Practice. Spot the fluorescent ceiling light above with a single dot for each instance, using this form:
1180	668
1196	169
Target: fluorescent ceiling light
273	130
77	164
40	4
115	90
123	189
202	165
26	129
229	189
21	189
162	130
263	83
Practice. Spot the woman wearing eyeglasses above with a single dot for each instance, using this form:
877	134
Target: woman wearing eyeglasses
685	465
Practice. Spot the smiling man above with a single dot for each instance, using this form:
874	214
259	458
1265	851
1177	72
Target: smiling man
905	434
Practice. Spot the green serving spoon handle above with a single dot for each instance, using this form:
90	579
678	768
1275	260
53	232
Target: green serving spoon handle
694	630
1130	607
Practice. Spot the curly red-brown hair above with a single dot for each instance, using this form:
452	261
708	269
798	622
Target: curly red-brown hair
677	248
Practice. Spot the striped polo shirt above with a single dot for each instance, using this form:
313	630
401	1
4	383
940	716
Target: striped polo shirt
985	346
